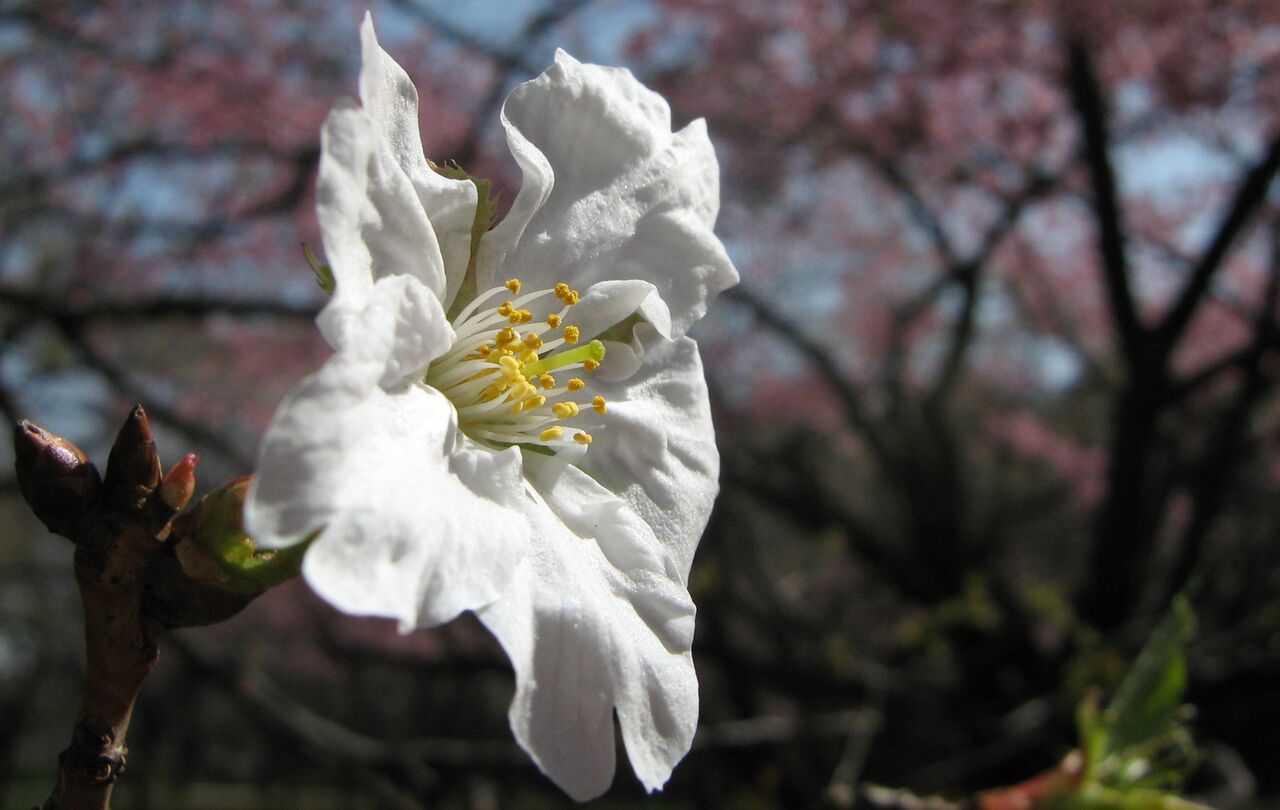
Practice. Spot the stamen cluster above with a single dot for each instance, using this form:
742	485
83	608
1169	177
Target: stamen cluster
499	372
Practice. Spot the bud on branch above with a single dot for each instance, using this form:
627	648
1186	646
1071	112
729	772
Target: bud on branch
140	571
59	483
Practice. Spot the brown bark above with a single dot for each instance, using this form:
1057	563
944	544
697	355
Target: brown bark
120	652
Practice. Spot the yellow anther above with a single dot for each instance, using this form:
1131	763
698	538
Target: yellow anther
553	320
590	364
492	392
518	407
597	404
504	335
551	433
513	285
513	316
510	367
529	356
582	438
535	402
561	290
547	381
527	390
576	384
571	298
533	341
525	316
506	309
564	410
484	350
571	334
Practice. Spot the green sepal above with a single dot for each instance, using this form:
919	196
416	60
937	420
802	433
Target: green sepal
324	273
485	217
214	549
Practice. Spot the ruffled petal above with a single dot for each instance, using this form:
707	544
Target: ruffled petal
609	191
399	329
655	444
371	220
416	522
392	103
596	620
608	303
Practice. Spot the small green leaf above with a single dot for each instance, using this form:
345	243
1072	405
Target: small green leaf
1149	696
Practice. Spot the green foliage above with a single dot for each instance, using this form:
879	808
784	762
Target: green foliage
1147	700
1137	750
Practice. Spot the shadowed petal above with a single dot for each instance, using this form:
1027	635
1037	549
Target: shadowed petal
399	330
417	522
596	619
655	445
391	100
370	219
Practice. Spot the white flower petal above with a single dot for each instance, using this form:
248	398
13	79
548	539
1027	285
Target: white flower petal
607	303
418	523
371	220
609	191
535	188
655	445
392	102
399	330
597	619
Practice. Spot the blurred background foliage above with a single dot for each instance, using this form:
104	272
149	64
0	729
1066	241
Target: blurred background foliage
999	381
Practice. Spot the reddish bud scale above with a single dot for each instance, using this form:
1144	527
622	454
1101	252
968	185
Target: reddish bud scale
180	483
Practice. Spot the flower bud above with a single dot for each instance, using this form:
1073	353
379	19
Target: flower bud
180	483
133	468
58	481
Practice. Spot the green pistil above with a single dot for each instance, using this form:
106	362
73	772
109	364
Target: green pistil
592	351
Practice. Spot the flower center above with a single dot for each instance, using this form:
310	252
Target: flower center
511	378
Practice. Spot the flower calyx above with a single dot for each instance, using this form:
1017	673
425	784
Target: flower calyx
211	569
213	548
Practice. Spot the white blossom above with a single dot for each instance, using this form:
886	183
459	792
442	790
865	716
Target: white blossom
517	427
